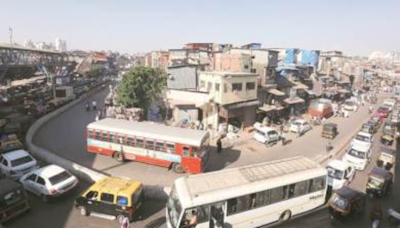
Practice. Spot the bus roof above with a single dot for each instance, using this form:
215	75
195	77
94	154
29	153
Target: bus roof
151	130
225	184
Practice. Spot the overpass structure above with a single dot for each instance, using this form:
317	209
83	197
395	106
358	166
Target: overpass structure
17	56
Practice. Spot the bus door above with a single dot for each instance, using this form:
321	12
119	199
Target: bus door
189	162
206	216
217	215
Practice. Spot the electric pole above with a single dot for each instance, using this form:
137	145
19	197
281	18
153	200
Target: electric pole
10	32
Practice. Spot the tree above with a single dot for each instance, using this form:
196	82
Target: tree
94	71
139	86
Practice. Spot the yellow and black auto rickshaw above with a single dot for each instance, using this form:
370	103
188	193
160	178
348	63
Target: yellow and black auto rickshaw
379	182
329	130
388	136
346	203
386	158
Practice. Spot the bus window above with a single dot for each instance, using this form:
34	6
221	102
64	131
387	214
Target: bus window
195	151
112	137
130	141
239	204
278	194
90	134
317	184
150	144
97	135
105	136
186	151
262	198
170	147
139	142
121	139
160	146
298	189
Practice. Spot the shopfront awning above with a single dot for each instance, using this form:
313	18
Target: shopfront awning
241	104
269	108
295	100
276	92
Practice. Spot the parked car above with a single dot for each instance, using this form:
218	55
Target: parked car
347	203
368	128
383	112
49	182
15	164
340	173
113	197
358	156
265	135
379	182
363	139
13	200
350	105
303	125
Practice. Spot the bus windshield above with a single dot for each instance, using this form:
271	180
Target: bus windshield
174	208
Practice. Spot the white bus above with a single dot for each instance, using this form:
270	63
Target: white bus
249	196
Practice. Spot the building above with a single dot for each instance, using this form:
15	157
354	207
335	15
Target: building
159	59
182	77
61	45
222	98
181	57
232	62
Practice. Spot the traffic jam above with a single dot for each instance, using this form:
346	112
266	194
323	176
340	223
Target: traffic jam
193	201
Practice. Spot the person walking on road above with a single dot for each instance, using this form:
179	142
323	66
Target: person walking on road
219	145
283	137
94	104
125	222
298	132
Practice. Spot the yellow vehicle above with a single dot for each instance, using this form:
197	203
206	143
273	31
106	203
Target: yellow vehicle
111	197
10	143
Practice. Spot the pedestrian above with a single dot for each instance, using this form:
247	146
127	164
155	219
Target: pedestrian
219	145
298	132
125	222
283	137
94	104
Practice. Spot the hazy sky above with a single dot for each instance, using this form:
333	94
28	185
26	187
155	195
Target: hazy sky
353	26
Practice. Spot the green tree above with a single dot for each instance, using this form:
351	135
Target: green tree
94	72
139	86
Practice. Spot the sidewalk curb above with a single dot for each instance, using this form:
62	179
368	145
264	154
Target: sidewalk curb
84	173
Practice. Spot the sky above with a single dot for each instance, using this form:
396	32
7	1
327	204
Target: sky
356	27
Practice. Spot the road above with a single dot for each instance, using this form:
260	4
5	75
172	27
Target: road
65	136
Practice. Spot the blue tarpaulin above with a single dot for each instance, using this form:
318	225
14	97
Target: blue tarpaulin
309	57
290	56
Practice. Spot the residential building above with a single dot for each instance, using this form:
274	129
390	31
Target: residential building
159	59
232	62
222	98
61	45
234	98
180	57
182	77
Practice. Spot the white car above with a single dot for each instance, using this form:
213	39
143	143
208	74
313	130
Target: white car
16	163
302	124
340	173
358	156
49	182
363	139
350	105
265	135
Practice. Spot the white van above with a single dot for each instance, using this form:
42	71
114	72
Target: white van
340	173
265	135
358	156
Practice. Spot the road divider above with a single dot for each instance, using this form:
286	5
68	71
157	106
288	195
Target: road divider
82	172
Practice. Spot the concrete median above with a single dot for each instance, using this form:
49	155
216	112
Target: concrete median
82	172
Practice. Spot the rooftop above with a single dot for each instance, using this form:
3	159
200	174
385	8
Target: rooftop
229	74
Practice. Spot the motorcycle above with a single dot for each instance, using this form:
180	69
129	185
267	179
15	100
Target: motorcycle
87	106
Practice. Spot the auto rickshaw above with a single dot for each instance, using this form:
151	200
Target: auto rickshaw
386	158
329	130
346	203
389	125
387	137
379	182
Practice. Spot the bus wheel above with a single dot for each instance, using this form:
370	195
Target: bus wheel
177	168
119	157
285	216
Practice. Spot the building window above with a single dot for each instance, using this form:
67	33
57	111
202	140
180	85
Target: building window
217	87
236	86
246	67
202	84
253	71
250	86
209	86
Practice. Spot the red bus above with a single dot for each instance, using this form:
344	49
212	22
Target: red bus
183	150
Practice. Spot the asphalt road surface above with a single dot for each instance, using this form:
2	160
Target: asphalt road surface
65	136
